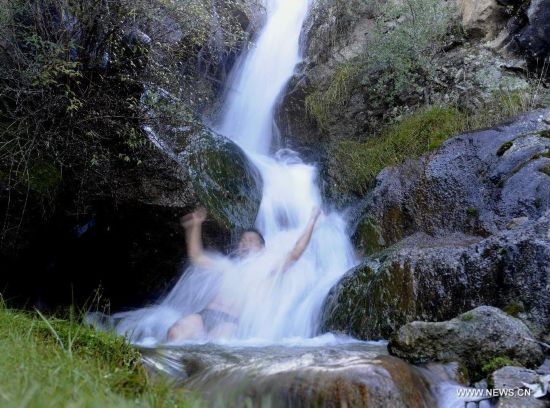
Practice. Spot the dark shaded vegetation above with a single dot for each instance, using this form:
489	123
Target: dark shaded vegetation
80	80
73	75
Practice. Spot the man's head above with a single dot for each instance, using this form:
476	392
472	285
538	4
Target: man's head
251	241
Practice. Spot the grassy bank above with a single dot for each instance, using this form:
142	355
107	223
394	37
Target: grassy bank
355	164
59	363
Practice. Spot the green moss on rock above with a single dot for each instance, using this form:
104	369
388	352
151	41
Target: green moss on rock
354	165
467	317
545	170
370	304
368	236
513	309
495	363
226	182
504	148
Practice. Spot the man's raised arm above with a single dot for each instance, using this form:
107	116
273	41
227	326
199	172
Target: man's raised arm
193	237
303	242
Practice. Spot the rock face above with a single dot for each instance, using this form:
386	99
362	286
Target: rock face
478	183
226	182
133	249
489	46
468	225
528	34
473	338
484	18
515	378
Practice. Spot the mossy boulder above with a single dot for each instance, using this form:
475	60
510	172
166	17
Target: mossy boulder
482	340
476	183
370	302
427	278
224	179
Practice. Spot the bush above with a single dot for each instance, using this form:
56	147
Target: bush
401	50
404	44
321	105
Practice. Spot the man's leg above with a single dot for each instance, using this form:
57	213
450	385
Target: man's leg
188	328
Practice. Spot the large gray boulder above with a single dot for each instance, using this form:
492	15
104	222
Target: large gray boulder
478	183
474	339
468	225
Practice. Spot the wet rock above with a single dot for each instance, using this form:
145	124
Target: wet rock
516	378
473	338
355	375
429	279
465	226
513	377
477	183
226	182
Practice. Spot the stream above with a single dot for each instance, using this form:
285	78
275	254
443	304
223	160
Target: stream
278	356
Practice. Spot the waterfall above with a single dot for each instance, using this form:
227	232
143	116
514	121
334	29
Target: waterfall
261	75
273	307
291	190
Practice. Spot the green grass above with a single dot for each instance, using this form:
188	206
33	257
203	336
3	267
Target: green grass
354	165
513	309
321	105
58	363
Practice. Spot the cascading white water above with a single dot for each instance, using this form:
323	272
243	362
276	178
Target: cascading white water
290	187
273	307
261	75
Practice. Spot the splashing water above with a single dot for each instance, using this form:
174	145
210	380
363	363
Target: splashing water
271	306
290	306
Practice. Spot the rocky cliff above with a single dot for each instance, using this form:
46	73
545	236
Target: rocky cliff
464	226
368	64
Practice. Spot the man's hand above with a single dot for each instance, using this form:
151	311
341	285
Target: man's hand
192	223
315	213
197	217
303	241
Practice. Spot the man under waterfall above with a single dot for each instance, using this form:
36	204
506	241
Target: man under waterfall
220	318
